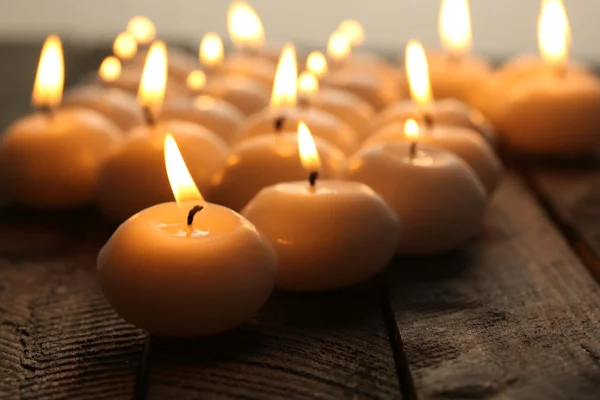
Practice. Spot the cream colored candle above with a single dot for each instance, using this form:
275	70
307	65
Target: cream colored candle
284	115
465	143
328	234
263	161
50	160
189	268
438	198
346	106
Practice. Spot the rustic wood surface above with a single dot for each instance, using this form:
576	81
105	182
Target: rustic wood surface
515	315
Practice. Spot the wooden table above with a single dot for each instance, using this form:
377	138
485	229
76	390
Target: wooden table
514	315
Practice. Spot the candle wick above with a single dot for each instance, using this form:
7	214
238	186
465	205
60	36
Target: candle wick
192	213
150	120
428	120
47	110
278	124
412	152
312	178
303	101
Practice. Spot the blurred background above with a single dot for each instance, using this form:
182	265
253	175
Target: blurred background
500	27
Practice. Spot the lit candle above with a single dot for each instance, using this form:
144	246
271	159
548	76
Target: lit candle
125	46
245	93
436	195
283	114
189	268
266	160
50	159
454	73
142	29
348	107
117	105
465	143
132	177
555	111
423	107
328	234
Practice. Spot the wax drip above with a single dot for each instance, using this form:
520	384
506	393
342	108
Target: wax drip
278	124
312	178
150	120
192	213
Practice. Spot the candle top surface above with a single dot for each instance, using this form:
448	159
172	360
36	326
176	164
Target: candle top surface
325	187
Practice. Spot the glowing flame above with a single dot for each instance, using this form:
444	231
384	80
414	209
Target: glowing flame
454	27
142	29
154	77
211	50
244	25
411	129
285	87
308	83
417	70
182	183
554	32
196	80
125	46
338	46
316	63
50	77
308	151
353	31
110	69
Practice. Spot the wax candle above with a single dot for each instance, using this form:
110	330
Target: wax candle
189	268
50	160
115	104
263	161
283	114
436	195
328	234
465	143
346	106
132	177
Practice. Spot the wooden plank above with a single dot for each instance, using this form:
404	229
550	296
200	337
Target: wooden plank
515	315
301	346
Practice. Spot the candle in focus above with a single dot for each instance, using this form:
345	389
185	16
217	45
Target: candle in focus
188	268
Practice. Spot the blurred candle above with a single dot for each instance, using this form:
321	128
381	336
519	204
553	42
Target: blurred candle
125	46
142	29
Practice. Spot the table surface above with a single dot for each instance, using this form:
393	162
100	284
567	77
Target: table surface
513	315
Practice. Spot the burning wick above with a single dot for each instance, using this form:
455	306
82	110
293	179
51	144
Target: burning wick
411	132
312	178
150	120
190	218
278	124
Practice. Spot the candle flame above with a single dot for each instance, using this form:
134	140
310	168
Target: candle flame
211	51
285	87
454	27
110	69
338	46
50	77
353	31
142	29
182	183
244	25
308	83
417	70
308	151
554	32
196	80
154	77
316	63
411	129
125	46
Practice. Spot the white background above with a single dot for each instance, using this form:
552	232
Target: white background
501	27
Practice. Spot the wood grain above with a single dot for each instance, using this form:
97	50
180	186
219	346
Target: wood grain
514	316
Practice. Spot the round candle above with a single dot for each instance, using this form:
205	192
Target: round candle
213	113
438	198
194	268
263	161
327	234
50	159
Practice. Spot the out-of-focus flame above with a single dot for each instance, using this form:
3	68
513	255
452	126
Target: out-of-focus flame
244	25
353	31
417	71
196	80
454	27
50	77
338	46
182	183
554	32
110	69
307	149
125	46
285	87
308	83
316	63
154	77
211	50
411	129
142	29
